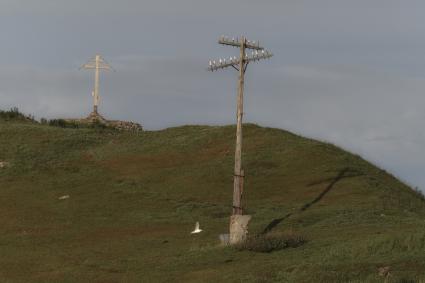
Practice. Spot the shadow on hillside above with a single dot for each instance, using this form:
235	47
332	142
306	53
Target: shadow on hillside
333	181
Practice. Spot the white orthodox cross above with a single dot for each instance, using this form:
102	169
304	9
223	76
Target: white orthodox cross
97	63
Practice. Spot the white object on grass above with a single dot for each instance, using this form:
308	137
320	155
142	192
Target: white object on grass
4	164
63	197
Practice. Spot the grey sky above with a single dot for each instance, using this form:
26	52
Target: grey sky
351	72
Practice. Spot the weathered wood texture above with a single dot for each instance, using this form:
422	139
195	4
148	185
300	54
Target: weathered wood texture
238	175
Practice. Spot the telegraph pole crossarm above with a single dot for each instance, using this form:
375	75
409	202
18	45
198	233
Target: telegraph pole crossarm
259	54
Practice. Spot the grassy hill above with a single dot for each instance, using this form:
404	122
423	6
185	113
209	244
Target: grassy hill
134	198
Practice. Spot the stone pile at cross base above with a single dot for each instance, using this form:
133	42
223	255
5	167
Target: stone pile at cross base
95	117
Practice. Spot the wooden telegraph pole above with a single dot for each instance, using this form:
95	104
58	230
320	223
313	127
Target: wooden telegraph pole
238	176
240	64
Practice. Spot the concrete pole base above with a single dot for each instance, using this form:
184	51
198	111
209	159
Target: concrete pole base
238	228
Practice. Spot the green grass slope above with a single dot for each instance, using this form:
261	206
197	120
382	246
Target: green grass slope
134	198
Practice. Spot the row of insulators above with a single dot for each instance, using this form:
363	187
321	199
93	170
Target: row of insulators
236	40
263	52
234	60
